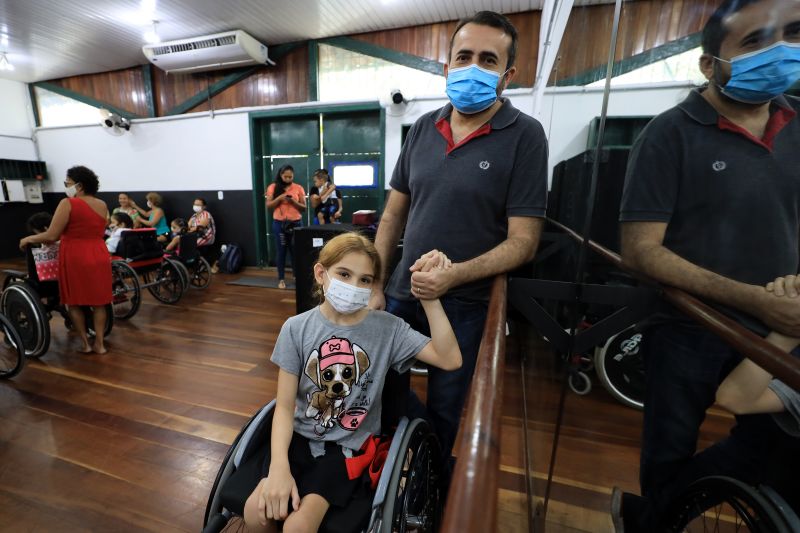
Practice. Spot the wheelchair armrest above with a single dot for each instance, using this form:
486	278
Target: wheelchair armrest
15	273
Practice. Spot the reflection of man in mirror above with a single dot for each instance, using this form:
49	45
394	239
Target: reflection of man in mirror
712	206
471	181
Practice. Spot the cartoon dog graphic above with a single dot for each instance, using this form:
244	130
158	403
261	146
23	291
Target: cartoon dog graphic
335	368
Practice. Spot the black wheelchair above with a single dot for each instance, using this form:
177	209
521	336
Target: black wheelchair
139	254
408	495
196	271
29	303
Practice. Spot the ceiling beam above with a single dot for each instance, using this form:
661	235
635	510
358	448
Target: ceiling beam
623	66
58	89
387	54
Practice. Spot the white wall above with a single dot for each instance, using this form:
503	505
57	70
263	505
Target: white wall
197	152
192	152
566	112
16	121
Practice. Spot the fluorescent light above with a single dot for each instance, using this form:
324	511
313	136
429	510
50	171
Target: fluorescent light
151	36
4	40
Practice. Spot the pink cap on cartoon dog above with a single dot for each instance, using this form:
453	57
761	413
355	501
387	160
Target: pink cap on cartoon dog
334	351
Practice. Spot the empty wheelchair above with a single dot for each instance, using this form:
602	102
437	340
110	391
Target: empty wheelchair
140	255
29	303
408	495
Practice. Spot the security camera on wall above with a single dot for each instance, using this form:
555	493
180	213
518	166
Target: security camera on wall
396	102
113	123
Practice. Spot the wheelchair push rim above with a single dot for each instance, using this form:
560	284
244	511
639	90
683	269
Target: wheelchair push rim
619	366
12	355
20	304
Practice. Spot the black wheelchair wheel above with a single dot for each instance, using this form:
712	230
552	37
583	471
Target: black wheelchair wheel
12	354
165	282
20	303
183	271
784	510
200	273
620	368
723	504
126	290
88	312
413	498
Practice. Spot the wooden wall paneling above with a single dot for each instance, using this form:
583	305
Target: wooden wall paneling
432	41
124	89
285	83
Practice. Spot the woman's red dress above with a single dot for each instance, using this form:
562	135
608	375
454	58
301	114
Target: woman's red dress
84	264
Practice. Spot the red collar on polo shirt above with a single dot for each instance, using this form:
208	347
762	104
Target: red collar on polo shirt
443	125
777	121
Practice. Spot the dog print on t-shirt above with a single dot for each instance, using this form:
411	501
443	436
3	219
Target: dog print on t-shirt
335	368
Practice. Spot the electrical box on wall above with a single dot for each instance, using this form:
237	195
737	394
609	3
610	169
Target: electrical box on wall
33	193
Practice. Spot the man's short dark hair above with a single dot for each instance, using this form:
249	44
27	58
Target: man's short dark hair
85	177
715	31
494	20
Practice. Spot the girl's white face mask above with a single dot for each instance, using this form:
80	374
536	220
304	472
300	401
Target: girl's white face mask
346	298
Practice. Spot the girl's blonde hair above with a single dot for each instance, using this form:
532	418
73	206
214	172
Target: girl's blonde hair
341	245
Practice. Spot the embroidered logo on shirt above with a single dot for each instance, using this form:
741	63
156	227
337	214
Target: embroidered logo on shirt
719	166
484	165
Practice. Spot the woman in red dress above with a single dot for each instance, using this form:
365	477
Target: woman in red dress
84	265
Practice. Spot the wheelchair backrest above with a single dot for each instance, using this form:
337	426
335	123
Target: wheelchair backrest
188	247
137	244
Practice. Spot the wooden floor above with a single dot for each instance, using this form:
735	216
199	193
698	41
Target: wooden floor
132	440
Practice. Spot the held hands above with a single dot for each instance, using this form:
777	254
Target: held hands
781	305
275	492
431	276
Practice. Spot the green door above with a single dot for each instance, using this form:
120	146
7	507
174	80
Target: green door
336	138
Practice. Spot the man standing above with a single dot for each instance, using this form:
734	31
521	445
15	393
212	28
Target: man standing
712	206
471	181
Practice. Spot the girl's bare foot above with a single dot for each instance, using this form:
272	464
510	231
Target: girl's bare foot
281	284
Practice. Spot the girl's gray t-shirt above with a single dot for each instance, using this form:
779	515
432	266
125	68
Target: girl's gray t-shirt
341	371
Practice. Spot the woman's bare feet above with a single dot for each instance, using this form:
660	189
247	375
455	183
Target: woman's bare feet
99	348
281	284
85	348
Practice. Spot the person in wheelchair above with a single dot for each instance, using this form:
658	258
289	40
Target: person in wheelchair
332	364
120	222
177	228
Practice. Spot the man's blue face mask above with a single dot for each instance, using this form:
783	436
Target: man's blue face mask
472	89
760	76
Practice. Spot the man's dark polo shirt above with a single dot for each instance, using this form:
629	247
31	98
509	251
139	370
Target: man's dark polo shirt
731	201
462	195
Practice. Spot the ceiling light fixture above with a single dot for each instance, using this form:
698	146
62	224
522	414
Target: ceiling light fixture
4	63
151	36
3	39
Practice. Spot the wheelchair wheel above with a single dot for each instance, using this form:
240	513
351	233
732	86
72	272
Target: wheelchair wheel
12	354
200	275
724	504
165	282
127	292
413	498
20	303
88	312
183	271
620	368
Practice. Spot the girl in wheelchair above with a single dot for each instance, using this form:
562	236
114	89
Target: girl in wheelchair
332	364
178	227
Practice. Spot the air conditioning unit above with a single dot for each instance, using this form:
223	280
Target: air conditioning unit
211	52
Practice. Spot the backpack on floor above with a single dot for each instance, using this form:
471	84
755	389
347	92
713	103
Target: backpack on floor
231	260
